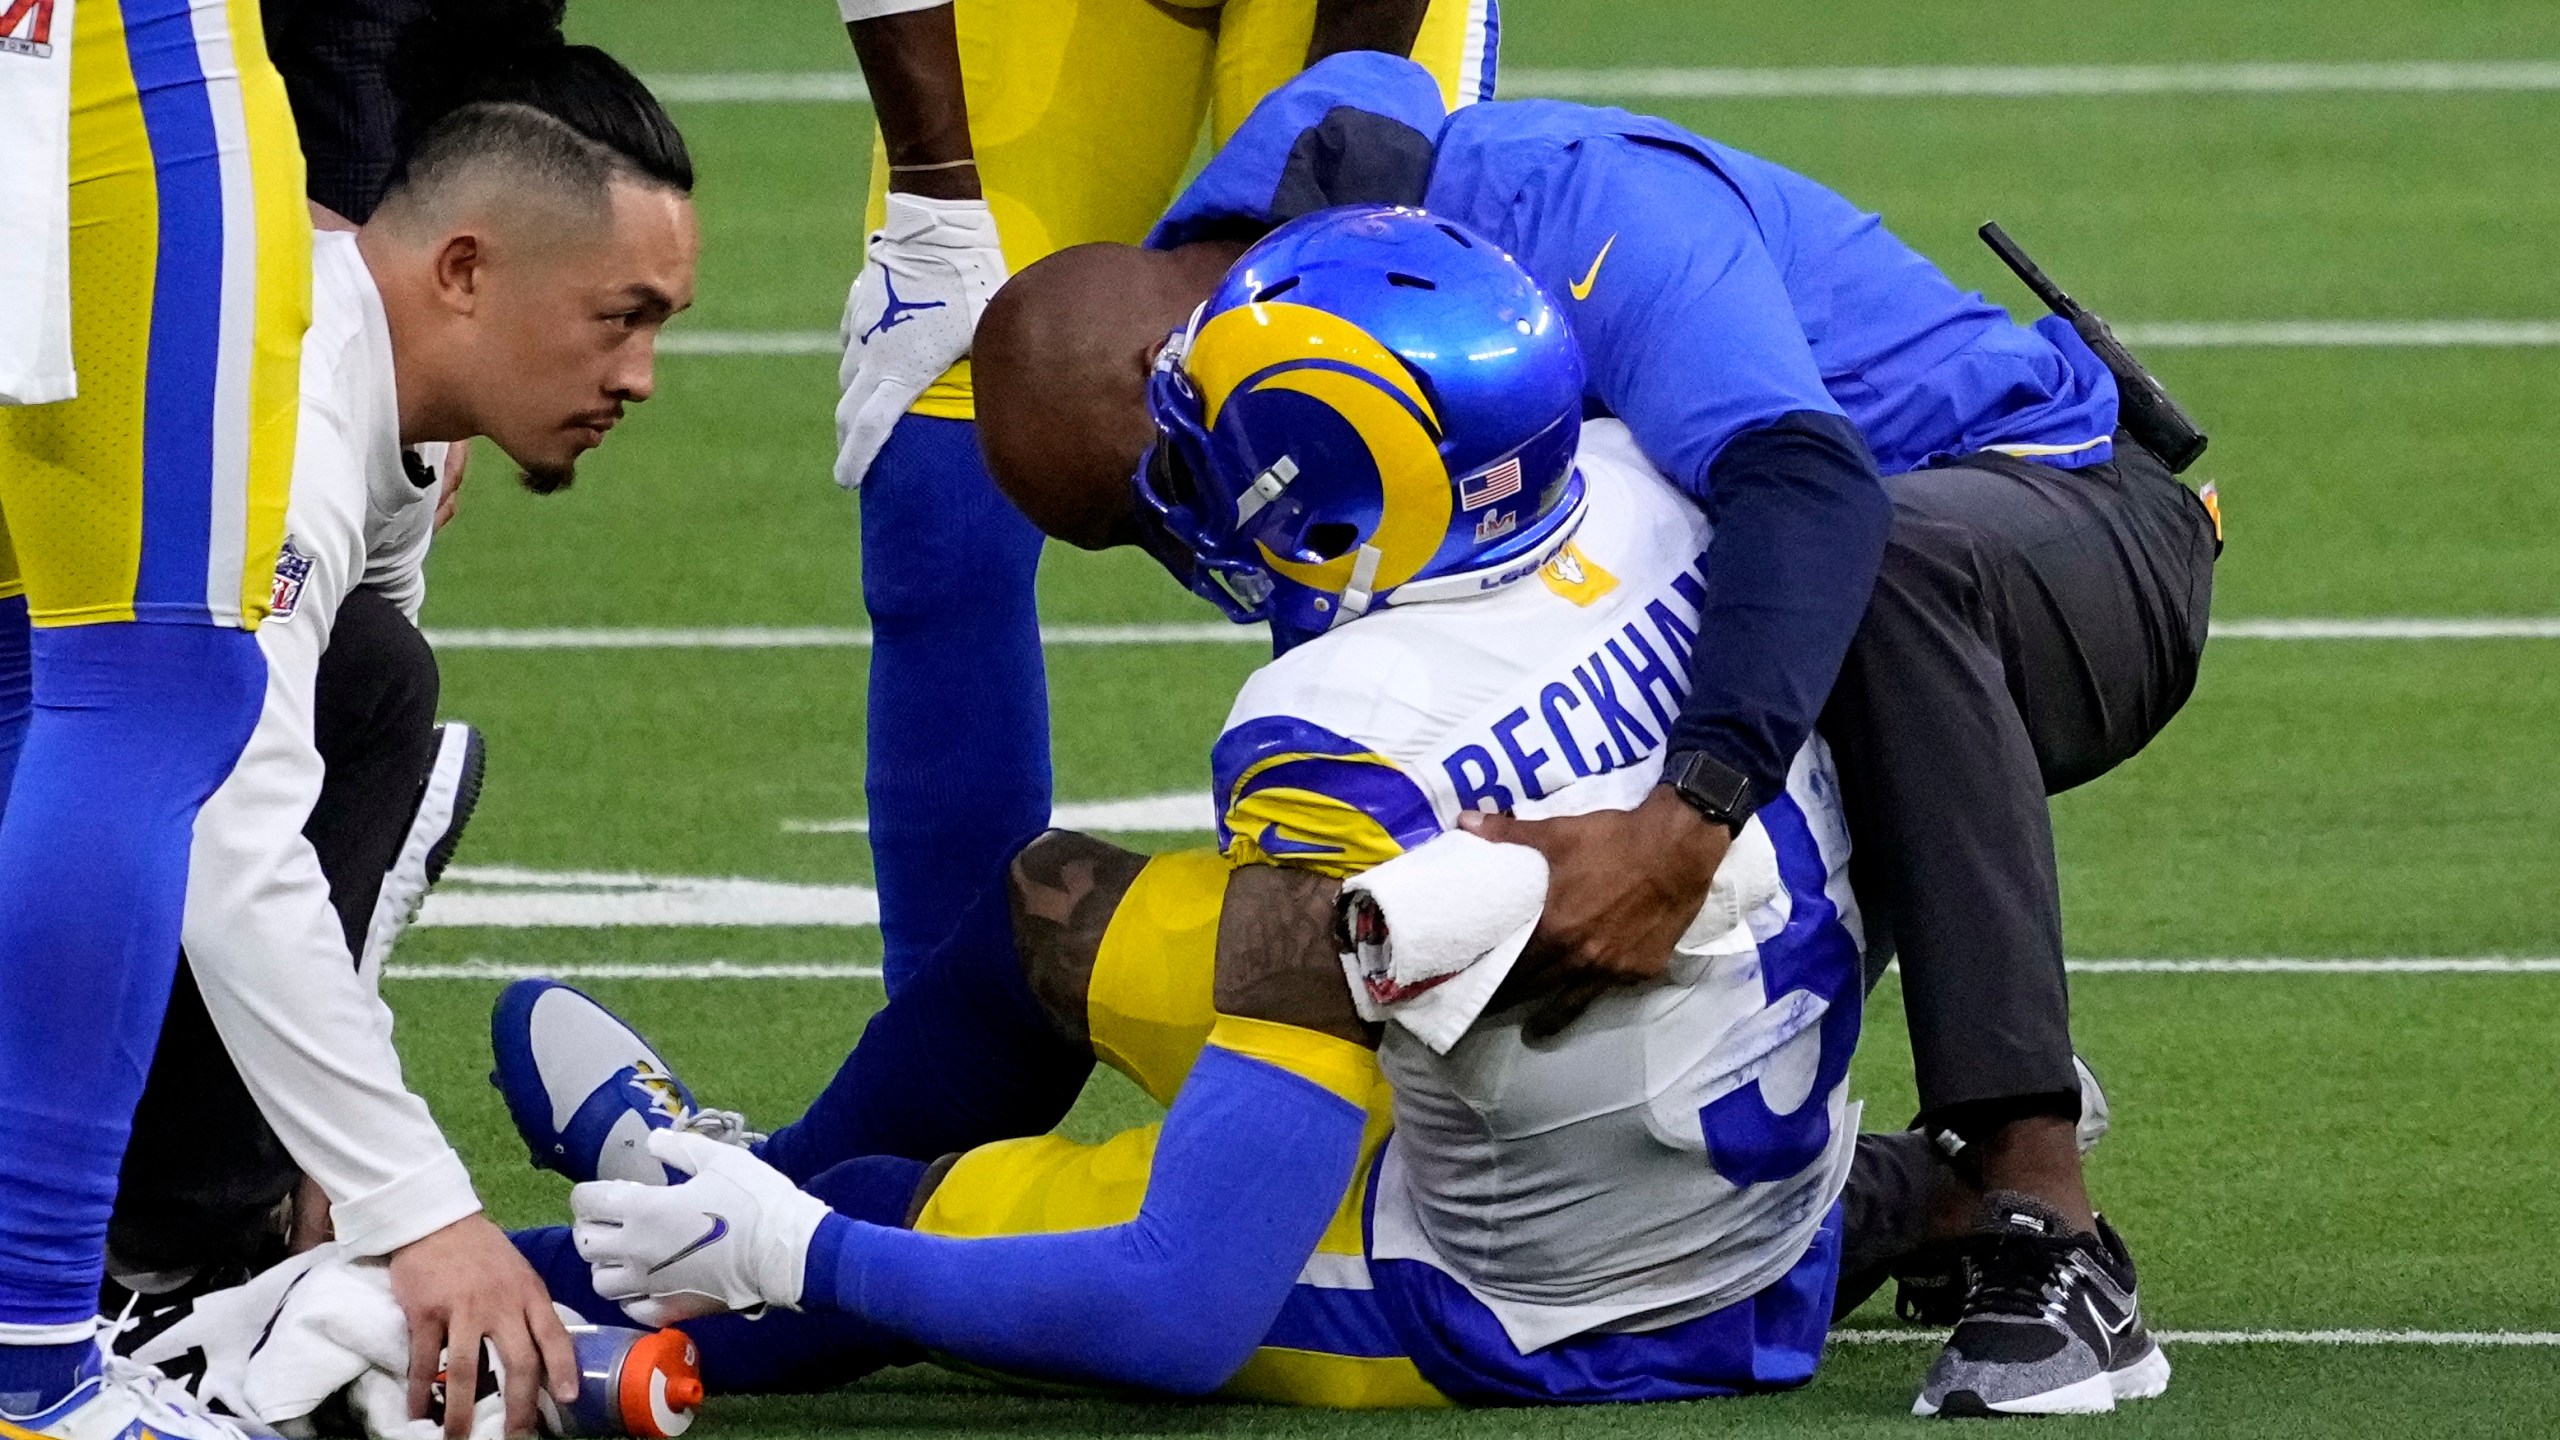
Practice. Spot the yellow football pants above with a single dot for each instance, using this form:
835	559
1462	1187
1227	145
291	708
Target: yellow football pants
1085	114
158	493
1150	1010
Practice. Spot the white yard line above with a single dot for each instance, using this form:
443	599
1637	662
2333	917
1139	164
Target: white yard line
2362	334
1188	810
2518	627
1879	82
784	637
2155	335
681	341
812	637
2312	965
2441	1339
507	897
481	969
1896	82
762	87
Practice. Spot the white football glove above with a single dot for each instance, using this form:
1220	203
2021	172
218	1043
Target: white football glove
734	1237
926	278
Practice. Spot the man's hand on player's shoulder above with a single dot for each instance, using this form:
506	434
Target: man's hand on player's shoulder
467	1283
1622	886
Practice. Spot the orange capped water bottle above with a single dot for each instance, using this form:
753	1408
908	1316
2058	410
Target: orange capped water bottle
638	1383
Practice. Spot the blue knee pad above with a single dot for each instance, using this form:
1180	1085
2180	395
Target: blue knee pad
132	727
957	777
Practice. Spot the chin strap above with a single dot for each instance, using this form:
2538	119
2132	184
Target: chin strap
1360	592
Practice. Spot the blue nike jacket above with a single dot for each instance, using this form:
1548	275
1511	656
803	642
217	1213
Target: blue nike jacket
1772	347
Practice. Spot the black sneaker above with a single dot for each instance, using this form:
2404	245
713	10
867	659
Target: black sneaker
446	799
2052	1326
1930	1285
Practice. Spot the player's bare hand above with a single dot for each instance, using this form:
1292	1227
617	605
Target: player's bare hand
1622	886
462	1285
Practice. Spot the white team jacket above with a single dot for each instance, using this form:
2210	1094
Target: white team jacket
311	1035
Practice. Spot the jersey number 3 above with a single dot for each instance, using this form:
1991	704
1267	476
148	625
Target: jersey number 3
1748	1142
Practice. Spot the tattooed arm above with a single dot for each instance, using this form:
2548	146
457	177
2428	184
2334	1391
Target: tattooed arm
1276	958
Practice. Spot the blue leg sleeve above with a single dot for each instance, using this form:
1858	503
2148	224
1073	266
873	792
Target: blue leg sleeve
16	678
784	1351
963	1055
1250	1169
133	726
958	742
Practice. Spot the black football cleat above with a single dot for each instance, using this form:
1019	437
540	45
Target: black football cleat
446	800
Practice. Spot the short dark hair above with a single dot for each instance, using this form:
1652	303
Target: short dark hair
471	69
537	151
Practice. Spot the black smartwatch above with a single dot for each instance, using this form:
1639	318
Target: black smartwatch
1714	789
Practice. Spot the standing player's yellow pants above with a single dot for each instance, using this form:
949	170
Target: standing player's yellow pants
1150	1009
1085	114
159	492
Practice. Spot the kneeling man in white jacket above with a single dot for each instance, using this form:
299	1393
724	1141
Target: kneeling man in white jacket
512	284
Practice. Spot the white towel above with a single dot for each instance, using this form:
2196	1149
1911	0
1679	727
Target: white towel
1433	932
35	206
1746	880
317	1325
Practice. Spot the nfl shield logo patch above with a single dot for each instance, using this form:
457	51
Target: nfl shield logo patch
292	569
26	28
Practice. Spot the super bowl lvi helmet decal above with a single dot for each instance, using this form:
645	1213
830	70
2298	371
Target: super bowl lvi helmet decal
1376	407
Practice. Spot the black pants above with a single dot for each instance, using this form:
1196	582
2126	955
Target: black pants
2032	628
205	1180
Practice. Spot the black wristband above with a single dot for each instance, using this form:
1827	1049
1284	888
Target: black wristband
1717	791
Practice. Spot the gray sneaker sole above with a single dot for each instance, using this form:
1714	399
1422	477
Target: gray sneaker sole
2144	1379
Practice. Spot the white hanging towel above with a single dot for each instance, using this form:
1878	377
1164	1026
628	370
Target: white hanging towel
1433	932
1429	936
35	204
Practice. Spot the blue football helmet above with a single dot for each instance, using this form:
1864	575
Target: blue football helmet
1375	407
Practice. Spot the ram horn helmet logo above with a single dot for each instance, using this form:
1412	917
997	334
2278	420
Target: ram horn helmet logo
1276	346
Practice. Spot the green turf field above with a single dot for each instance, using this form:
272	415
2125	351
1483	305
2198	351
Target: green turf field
2295	1151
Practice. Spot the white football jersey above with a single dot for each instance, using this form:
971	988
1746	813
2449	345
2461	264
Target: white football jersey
1677	1148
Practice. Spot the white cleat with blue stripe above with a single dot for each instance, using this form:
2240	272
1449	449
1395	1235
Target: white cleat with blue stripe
120	1399
585	1089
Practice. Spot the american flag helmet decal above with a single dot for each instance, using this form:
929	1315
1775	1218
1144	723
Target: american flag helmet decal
1501	482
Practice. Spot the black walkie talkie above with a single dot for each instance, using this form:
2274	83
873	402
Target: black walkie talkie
2154	419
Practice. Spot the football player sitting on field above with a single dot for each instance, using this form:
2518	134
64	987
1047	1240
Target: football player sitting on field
1372	436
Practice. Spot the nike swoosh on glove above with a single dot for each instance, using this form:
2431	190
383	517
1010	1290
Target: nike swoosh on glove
734	1237
926	278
